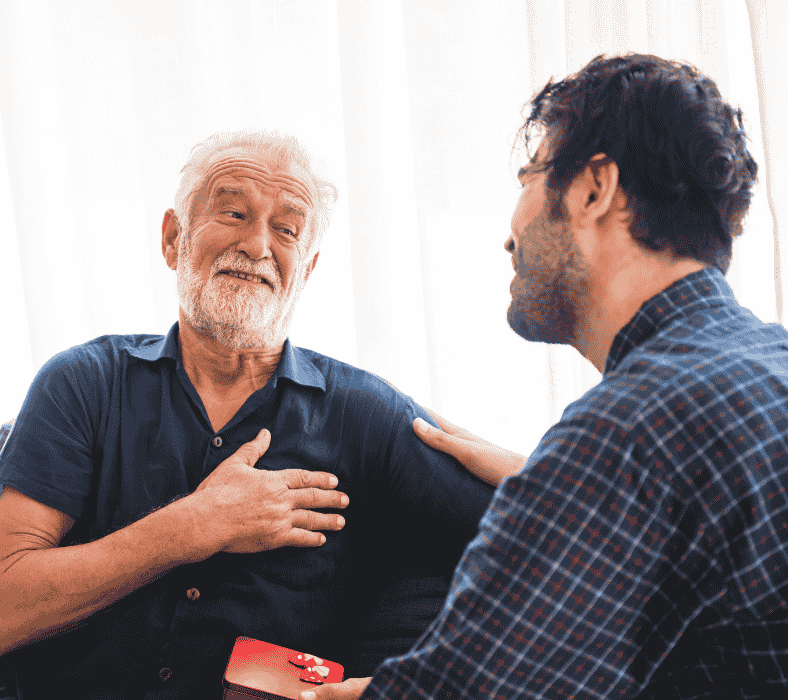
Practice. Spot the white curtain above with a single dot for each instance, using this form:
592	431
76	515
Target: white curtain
413	105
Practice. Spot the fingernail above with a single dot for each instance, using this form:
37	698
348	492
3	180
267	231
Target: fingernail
344	500
423	425
262	433
340	521
322	539
308	695
333	481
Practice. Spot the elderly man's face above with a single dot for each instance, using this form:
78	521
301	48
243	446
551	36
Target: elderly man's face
247	251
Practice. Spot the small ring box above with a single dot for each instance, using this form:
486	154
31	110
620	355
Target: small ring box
261	670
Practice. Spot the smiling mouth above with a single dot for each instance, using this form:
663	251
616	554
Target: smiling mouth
246	276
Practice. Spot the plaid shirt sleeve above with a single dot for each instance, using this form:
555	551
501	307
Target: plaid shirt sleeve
550	599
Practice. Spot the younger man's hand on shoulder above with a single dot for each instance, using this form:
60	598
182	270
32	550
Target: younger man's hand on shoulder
482	458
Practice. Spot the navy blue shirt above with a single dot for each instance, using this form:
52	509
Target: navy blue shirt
114	429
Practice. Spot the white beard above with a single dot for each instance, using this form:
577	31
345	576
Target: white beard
235	315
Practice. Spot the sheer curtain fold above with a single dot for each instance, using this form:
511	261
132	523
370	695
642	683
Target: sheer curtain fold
414	107
381	194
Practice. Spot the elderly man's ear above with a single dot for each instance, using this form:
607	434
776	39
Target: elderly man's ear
170	238
311	266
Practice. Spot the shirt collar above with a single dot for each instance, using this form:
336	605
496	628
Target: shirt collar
294	364
157	347
704	289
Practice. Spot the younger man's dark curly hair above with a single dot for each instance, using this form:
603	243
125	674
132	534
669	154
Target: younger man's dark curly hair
680	149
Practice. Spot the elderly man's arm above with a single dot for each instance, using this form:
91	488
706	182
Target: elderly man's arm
237	508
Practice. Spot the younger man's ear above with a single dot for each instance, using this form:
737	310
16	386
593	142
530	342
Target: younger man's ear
601	179
591	195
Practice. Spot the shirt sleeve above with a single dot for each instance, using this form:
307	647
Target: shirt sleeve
417	511
434	484
552	598
49	453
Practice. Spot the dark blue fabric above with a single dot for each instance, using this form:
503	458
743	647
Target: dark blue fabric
5	430
643	550
114	429
7	680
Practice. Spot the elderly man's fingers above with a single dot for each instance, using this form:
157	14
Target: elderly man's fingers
303	479
318	498
310	520
298	537
250	452
350	689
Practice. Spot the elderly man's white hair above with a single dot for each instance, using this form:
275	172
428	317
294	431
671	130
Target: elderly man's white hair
264	145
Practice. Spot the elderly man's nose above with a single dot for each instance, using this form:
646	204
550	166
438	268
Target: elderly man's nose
256	240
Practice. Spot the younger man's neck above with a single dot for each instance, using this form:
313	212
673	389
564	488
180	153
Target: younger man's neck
614	303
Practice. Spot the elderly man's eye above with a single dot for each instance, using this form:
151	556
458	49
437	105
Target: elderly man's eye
236	214
288	231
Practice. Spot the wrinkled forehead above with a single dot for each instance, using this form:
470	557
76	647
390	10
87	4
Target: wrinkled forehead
290	179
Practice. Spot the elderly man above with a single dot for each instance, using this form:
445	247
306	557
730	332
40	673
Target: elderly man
165	495
643	549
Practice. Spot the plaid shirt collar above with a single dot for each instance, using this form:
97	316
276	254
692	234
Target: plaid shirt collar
705	289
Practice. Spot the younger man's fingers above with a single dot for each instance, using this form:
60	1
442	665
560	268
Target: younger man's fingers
452	429
351	689
440	440
448	426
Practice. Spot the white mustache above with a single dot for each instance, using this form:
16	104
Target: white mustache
239	264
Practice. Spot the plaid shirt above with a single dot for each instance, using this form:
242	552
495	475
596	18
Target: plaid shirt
643	550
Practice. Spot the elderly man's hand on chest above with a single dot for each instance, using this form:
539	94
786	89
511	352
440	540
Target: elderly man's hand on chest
246	510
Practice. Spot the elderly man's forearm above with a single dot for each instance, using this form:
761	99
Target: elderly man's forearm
44	590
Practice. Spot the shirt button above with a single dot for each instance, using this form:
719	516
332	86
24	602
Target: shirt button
192	594
217	441
165	673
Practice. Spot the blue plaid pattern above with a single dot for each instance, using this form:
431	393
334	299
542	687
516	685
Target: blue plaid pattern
643	550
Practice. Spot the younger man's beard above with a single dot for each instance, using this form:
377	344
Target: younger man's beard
549	290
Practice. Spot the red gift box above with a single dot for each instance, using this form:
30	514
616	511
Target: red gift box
261	670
